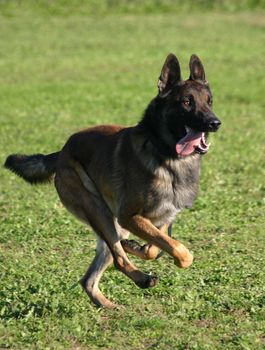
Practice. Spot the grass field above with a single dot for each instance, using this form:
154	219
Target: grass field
61	73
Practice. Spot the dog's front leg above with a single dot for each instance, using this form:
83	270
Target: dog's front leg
144	229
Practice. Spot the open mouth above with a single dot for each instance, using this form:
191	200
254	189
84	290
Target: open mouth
193	141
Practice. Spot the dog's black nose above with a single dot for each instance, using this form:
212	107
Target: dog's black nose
214	125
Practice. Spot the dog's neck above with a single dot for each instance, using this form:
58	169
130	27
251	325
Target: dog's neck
156	130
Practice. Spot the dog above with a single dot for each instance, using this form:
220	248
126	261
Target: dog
134	179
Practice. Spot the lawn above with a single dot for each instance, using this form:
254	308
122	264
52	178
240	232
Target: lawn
61	73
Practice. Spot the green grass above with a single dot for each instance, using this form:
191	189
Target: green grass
59	74
104	7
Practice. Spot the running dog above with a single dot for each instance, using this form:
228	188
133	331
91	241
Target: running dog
133	179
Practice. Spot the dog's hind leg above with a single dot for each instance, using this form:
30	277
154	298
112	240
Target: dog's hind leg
101	220
91	279
100	263
86	203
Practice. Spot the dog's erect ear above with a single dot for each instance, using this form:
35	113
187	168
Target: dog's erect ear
196	69
170	75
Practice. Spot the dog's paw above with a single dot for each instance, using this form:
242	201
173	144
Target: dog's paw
131	244
183	257
149	282
185	262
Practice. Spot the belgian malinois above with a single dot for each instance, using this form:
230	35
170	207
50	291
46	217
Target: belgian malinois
134	179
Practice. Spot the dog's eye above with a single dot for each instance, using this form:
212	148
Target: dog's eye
187	102
210	102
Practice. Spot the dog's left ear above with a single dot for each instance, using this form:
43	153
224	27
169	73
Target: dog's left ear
197	70
170	75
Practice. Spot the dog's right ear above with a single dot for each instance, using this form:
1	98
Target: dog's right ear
170	75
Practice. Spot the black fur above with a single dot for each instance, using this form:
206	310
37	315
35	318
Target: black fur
36	168
156	127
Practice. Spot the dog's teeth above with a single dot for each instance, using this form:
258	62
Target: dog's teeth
204	142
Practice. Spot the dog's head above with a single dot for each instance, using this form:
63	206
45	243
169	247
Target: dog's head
187	106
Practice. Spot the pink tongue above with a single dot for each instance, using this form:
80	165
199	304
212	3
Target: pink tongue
186	145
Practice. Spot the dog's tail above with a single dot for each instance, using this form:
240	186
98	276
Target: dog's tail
37	168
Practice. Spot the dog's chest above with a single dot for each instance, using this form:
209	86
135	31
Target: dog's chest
173	188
